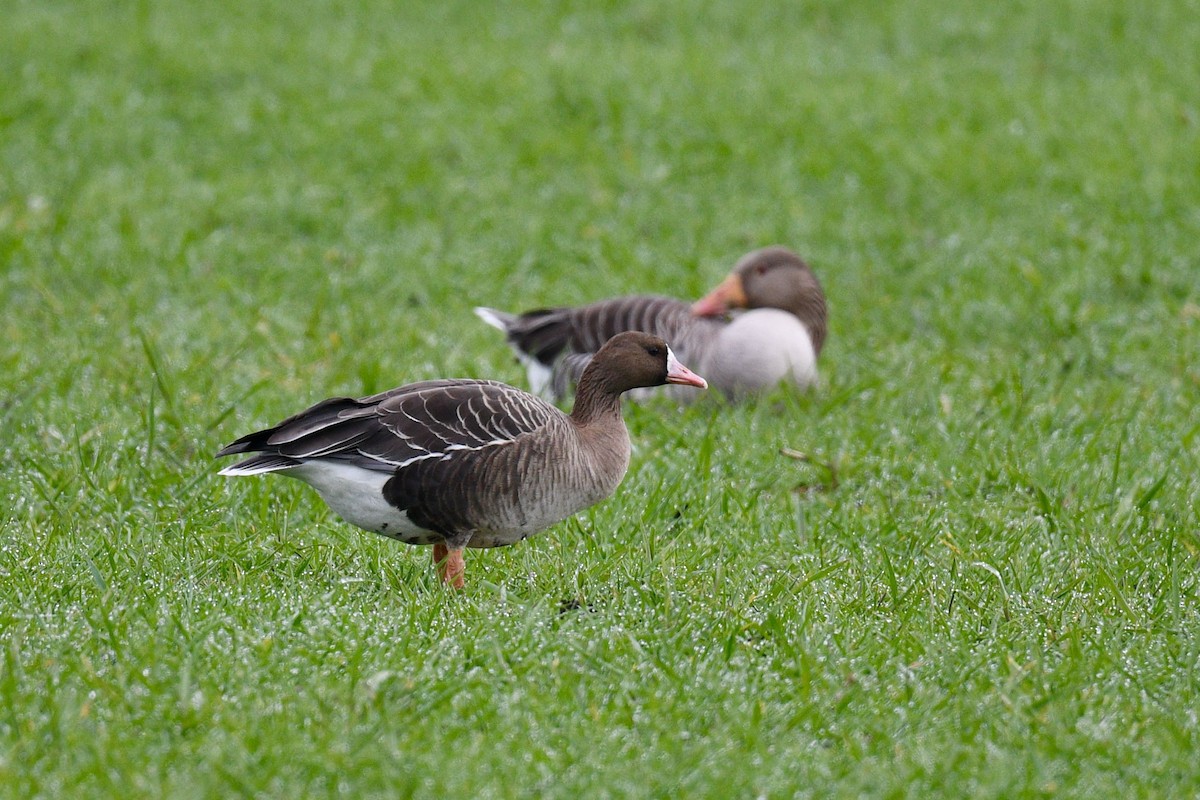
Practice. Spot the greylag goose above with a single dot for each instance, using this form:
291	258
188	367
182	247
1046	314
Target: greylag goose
466	463
776	339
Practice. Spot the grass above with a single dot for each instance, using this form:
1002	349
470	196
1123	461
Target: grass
213	214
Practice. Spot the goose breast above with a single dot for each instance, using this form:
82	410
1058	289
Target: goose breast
758	350
504	494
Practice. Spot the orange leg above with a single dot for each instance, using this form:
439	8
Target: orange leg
450	564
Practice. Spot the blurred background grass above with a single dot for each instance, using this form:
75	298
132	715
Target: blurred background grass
214	214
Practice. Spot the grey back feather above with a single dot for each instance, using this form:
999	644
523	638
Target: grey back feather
431	419
564	339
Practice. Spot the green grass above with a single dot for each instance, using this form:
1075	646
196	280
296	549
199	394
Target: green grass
212	214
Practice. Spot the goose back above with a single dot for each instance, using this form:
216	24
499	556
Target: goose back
556	344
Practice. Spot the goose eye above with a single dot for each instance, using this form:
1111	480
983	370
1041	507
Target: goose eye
761	269
654	351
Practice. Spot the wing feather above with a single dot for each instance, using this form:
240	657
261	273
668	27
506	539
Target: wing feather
563	340
386	431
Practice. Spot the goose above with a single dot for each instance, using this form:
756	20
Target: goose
776	338
462	463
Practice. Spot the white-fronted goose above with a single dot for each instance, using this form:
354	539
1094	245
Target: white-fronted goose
776	339
466	463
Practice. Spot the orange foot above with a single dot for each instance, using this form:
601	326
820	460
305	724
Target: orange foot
450	564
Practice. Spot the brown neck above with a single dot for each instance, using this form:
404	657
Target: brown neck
594	400
811	311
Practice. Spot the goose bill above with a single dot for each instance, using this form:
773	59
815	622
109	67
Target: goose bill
678	373
729	294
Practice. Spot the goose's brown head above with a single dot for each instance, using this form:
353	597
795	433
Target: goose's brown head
773	277
634	359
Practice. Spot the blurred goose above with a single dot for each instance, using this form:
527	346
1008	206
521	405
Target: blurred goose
776	339
466	463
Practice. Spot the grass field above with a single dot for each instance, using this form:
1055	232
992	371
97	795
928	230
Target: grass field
984	581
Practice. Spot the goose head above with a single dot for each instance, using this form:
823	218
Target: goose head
633	360
773	277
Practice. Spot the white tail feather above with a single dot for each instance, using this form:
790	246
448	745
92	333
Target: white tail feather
260	465
236	471
497	319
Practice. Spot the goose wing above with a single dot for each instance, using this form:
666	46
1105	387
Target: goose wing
546	334
387	431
